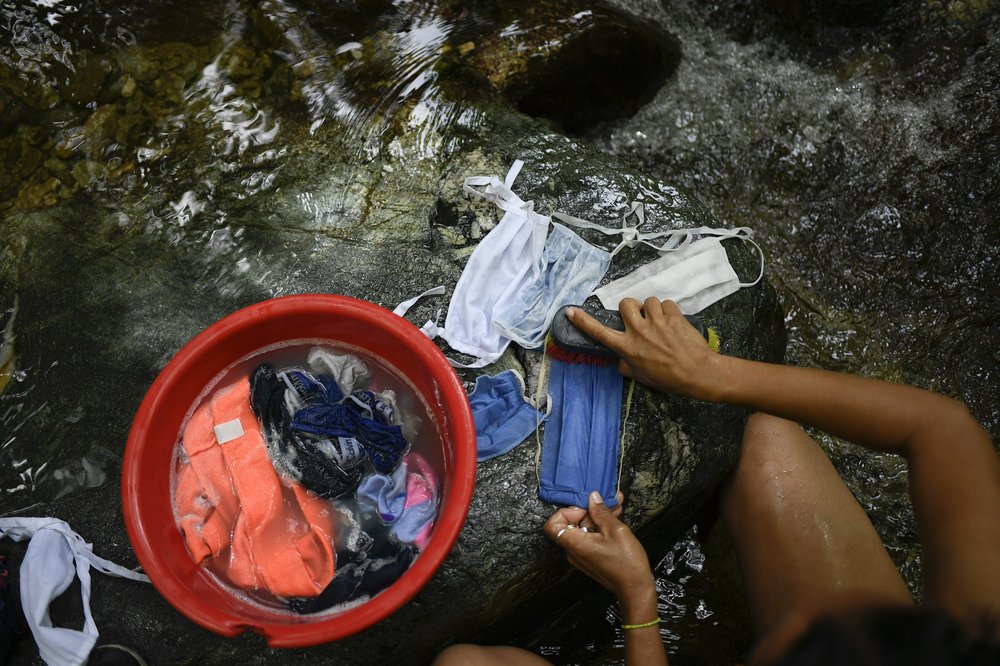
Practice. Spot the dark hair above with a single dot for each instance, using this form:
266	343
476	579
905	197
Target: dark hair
893	635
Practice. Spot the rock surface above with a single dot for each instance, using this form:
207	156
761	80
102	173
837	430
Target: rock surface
236	199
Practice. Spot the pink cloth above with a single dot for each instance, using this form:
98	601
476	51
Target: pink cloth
420	510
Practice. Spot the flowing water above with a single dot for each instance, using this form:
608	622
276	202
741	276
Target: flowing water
859	140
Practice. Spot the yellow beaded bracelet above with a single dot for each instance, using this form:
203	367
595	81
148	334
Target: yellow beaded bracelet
643	625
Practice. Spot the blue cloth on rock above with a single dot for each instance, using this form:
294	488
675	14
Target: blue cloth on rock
503	417
571	270
581	439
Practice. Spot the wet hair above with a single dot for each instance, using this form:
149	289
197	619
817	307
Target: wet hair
894	635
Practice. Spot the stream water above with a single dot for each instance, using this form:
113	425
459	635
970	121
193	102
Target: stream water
860	140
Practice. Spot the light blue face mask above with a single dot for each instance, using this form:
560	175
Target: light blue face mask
502	416
581	442
571	270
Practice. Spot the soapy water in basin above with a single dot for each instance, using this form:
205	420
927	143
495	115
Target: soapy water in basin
377	549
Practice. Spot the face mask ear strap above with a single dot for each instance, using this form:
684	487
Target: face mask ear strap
759	250
742	233
405	306
538	419
631	236
511	176
621	443
675	239
672	244
499	193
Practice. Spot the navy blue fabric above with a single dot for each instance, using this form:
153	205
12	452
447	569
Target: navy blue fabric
299	457
314	390
581	440
360	415
368	561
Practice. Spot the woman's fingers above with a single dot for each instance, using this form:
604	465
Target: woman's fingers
610	553
631	312
653	309
596	330
560	522
589	523
599	512
671	309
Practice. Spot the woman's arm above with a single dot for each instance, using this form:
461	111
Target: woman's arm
954	470
611	555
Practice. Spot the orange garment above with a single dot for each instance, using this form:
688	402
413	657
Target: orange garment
279	538
205	499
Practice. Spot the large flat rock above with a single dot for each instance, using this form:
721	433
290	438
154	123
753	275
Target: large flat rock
111	283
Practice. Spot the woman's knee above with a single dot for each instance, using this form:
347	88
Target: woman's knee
766	435
466	654
770	441
776	457
455	655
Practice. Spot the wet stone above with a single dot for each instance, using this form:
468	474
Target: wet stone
99	130
581	70
112	286
128	87
12	110
82	86
138	64
58	169
605	75
87	171
502	565
31	158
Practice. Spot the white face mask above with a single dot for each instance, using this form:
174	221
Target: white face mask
571	268
514	282
694	275
502	266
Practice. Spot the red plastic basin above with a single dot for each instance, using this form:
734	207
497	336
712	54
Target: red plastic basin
146	492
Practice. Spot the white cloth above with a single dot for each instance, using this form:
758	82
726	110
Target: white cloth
515	280
347	370
695	275
502	266
47	570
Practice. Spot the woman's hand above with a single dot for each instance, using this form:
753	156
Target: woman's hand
659	348
608	552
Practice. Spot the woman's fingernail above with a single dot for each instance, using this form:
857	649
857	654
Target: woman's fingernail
596	498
